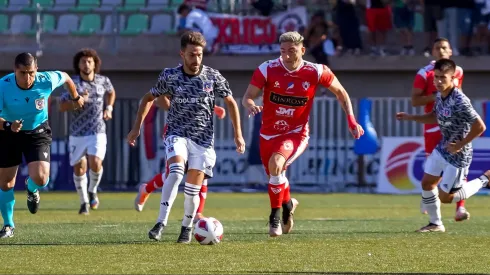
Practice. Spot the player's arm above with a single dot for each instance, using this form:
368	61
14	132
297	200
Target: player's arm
429	118
71	100
163	102
468	114
418	97
259	79
143	109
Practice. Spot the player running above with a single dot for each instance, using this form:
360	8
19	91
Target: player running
25	132
289	84
158	180
88	129
459	124
424	94
191	88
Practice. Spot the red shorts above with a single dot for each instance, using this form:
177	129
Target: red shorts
379	19
290	146
431	140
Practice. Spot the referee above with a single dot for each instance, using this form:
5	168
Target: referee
24	131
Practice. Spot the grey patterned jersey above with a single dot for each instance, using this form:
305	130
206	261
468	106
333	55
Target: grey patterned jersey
89	120
192	102
455	115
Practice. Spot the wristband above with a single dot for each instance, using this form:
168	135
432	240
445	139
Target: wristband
7	126
76	98
351	120
109	108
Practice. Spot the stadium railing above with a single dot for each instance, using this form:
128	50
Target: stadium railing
328	165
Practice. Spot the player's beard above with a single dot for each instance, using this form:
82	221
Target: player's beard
193	67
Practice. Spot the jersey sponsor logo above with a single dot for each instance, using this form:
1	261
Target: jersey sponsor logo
281	111
290	85
39	103
208	86
276	84
191	100
306	85
281	125
295	101
7	80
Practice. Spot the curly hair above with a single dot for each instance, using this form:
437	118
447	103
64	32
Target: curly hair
86	53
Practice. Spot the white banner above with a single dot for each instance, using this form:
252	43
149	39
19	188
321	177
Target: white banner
256	34
402	161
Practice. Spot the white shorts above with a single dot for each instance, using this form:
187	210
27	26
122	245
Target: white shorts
196	156
95	145
452	177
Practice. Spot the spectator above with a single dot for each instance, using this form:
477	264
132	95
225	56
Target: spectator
378	20
198	4
315	35
348	24
433	16
198	20
404	17
482	20
263	6
469	17
454	22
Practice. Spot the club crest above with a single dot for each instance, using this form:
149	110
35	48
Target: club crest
208	86
39	103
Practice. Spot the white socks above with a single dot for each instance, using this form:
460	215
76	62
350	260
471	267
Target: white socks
470	188
432	203
81	186
191	203
95	178
170	190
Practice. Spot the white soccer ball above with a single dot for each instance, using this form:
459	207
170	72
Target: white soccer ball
208	231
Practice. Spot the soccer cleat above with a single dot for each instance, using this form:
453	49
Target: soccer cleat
274	227
287	217
156	232
33	200
141	198
422	208
185	236
198	217
462	215
432	228
94	200
83	209
6	232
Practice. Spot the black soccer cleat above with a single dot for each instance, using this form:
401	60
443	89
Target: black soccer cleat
185	235
6	232
33	200
83	209
156	232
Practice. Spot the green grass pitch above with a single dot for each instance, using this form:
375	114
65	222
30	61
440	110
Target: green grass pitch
333	233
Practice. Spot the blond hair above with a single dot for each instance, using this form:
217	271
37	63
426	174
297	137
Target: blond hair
293	37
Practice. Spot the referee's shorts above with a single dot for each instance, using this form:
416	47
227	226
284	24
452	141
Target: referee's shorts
34	145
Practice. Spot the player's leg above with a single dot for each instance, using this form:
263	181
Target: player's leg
434	166
453	185
78	149
202	200
7	200
96	154
201	162
146	189
176	153
37	153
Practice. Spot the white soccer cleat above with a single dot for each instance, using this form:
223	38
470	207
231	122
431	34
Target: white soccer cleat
462	215
432	228
141	198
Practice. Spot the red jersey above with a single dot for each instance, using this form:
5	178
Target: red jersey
424	80
288	95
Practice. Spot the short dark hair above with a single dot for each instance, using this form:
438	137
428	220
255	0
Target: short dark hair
86	52
445	65
192	38
183	8
441	39
25	59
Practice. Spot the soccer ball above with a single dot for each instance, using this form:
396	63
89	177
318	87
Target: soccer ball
208	231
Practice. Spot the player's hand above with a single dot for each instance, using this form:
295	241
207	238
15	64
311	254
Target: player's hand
403	116
81	101
107	115
16	126
220	112
132	136
454	147
240	144
357	131
252	111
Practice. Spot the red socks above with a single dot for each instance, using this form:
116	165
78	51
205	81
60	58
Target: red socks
202	196
278	190
459	204
154	183
287	194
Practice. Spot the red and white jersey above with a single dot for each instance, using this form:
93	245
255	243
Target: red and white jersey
288	95
424	80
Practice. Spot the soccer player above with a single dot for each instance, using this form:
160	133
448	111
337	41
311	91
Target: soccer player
289	84
25	132
459	124
88	129
191	88
424	94
158	180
